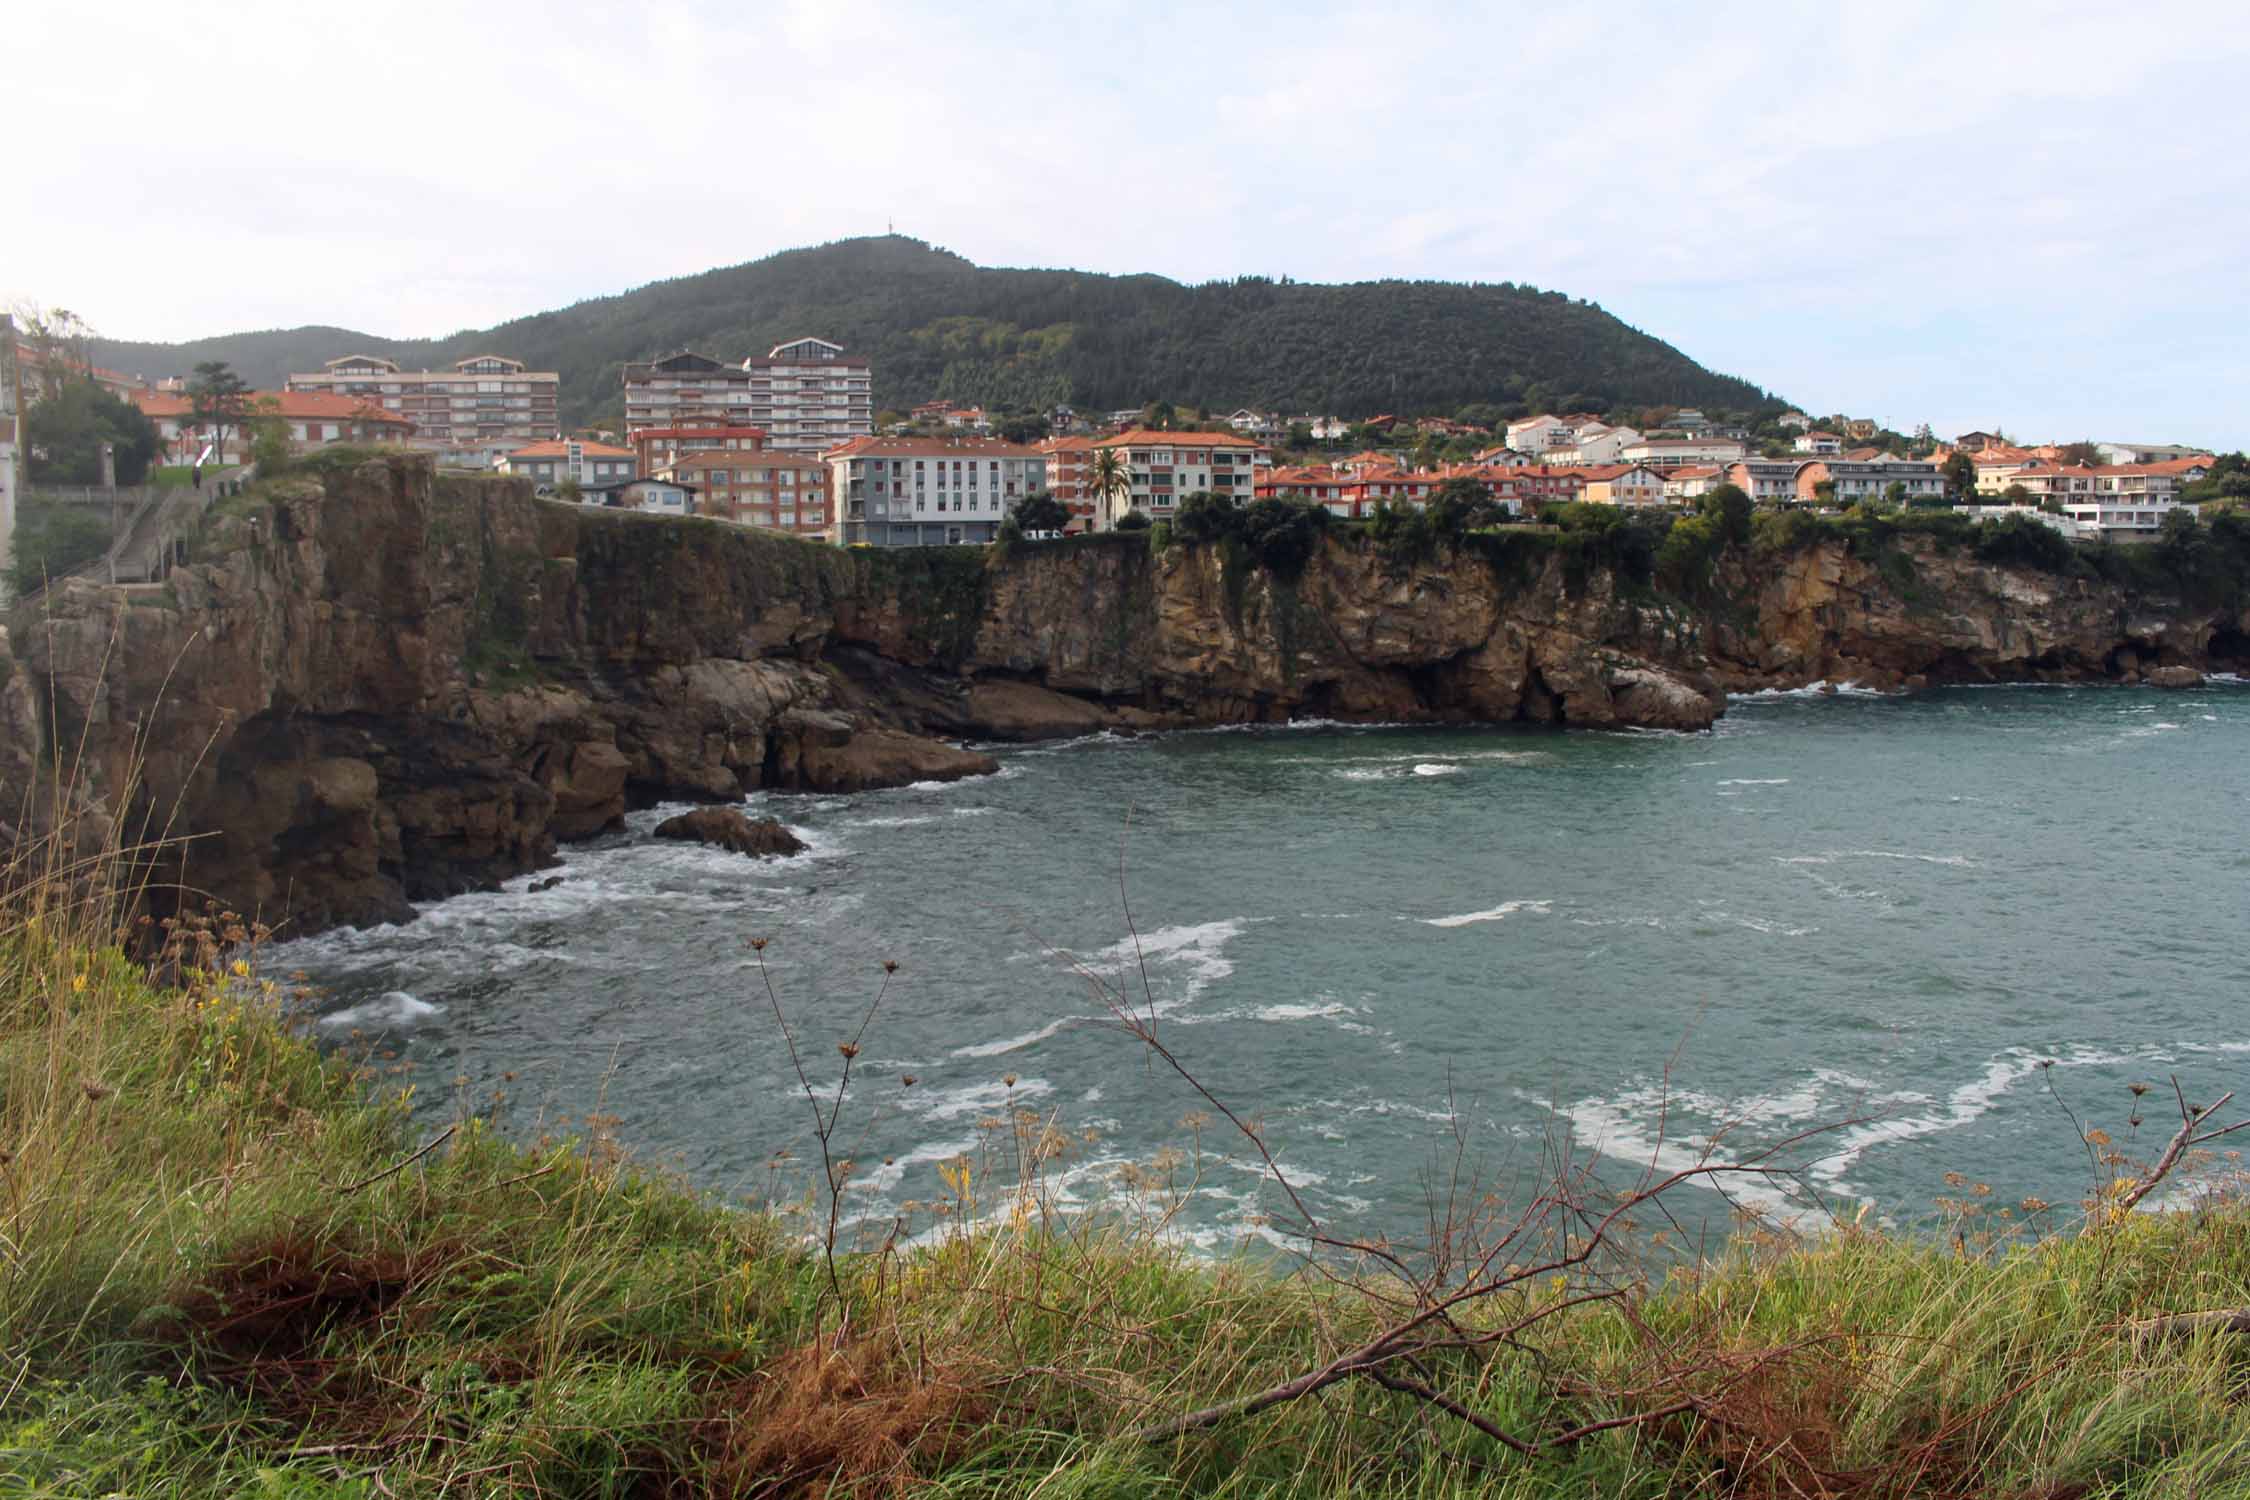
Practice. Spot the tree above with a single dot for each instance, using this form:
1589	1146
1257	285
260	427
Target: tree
2081	452
1732	506
1960	473
1158	414
2015	494
218	400
1110	481
58	341
1894	495
1460	506
270	448
1132	520
65	432
1028	427
1042	512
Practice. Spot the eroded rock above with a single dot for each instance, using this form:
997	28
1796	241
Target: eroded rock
727	828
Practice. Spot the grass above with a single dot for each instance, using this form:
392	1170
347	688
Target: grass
230	1267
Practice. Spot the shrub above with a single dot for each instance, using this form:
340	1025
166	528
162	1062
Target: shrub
2020	542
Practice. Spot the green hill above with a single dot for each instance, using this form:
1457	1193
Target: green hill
936	325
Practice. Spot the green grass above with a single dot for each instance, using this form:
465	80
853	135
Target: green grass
219	1278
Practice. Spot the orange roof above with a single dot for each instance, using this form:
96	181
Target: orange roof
560	448
322	405
1150	437
1067	445
1696	471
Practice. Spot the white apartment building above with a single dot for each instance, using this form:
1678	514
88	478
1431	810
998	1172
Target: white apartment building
1166	467
806	394
483	407
929	491
1538	434
1665	452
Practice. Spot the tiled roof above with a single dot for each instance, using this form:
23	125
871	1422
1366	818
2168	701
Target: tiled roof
559	448
1150	437
319	405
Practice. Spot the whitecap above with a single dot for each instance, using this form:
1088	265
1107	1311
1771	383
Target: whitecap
1498	913
394	1010
1435	769
1755	781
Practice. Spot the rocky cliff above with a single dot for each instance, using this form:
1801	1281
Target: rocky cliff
379	685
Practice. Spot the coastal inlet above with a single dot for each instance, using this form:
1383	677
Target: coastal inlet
1898	911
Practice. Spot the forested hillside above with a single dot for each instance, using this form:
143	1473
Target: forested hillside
936	325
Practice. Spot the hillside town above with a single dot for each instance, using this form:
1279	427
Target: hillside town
790	441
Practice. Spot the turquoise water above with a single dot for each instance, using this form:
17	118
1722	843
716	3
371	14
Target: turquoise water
1883	910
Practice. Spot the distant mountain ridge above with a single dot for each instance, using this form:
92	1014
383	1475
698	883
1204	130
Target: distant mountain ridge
935	325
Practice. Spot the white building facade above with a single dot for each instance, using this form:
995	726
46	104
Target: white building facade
929	492
807	394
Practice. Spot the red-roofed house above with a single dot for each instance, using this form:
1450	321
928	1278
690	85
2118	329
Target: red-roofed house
1166	467
316	420
1623	484
1818	443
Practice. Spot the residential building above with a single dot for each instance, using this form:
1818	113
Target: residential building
315	419
777	491
1070	463
1977	442
590	465
1502	457
2129	501
1166	467
1853	481
655	497
1541	485
1666	452
1690	421
930	413
1767	481
806	394
1254	423
1319	485
1860	429
660	447
971	418
1538	434
2146	453
1818	443
1593	443
1623	484
486	405
1323	429
1690	481
924	492
1794	421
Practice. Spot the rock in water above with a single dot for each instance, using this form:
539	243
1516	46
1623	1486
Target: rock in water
729	829
2175	677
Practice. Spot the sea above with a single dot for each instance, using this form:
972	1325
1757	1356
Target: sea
1906	950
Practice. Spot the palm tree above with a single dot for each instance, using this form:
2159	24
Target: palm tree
1110	478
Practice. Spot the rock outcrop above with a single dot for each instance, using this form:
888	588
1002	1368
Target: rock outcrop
382	686
725	828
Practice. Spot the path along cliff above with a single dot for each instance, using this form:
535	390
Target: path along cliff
375	684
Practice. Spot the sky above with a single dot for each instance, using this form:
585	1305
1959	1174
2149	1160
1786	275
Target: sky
2012	216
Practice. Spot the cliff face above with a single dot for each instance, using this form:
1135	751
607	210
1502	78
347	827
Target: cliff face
384	687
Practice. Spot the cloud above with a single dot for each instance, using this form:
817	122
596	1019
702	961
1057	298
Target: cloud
1961	211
